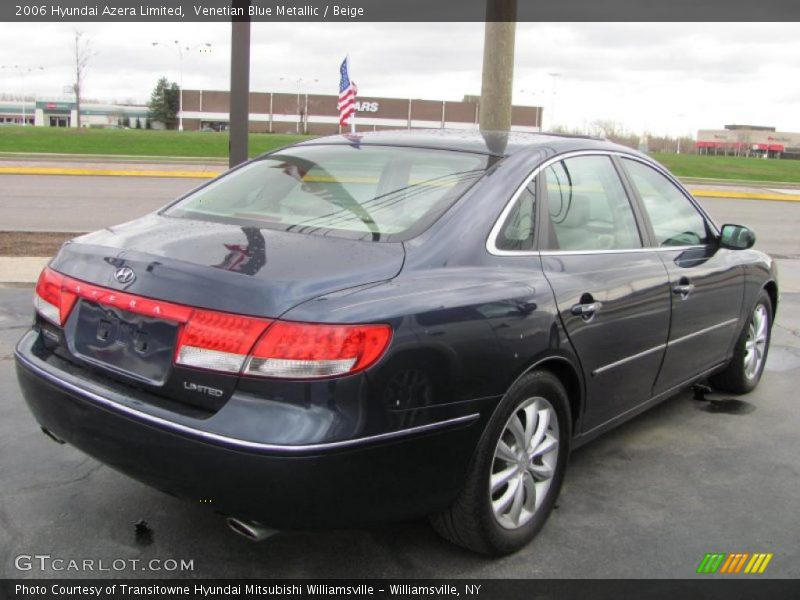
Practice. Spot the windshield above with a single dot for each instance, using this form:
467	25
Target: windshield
377	193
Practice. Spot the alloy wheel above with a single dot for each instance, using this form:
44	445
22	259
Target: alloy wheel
755	344
524	463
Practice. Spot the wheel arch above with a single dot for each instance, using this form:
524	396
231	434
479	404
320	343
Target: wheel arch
568	374
772	289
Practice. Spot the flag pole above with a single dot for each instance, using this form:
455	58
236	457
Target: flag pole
353	119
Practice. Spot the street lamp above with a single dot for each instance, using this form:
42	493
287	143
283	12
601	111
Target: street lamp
299	81
533	95
179	48
22	72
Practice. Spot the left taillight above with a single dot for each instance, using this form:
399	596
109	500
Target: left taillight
227	342
51	300
218	341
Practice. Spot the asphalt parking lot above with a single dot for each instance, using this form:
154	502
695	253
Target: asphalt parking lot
64	203
647	500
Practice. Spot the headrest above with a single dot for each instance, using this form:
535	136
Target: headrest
574	213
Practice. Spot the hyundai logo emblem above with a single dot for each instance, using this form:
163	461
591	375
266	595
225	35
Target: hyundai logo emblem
124	275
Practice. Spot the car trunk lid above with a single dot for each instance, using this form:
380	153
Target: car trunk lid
138	281
242	270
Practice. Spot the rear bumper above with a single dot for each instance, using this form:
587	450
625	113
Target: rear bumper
396	475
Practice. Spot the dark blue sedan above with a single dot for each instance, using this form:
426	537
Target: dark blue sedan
390	325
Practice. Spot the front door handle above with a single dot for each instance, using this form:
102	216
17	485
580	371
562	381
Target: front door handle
683	290
586	310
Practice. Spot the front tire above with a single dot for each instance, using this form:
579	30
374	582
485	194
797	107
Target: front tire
750	355
516	472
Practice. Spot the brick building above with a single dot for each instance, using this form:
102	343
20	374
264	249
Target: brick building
316	114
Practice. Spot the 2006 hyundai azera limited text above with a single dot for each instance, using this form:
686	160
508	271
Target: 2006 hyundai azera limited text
384	326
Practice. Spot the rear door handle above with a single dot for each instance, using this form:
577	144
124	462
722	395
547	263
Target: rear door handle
683	290
586	310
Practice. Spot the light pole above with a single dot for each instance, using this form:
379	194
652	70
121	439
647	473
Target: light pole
679	117
179	48
497	74
299	81
533	95
22	72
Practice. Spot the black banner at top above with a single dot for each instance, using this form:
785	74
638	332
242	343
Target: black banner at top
397	10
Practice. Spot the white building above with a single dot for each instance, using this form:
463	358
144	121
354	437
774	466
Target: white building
60	112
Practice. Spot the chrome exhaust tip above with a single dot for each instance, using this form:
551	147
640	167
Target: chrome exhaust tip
52	436
252	530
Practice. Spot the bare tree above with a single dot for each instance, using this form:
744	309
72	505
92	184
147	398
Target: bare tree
606	128
83	54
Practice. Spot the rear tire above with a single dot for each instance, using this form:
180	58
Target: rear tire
517	470
750	354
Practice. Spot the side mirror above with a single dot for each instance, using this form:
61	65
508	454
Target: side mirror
736	237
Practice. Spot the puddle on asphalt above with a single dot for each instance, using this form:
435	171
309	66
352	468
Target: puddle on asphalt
144	535
728	406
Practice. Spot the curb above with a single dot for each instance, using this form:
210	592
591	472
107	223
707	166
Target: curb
108	172
744	195
689	180
125	158
21	269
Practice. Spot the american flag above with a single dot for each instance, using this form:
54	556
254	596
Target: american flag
347	94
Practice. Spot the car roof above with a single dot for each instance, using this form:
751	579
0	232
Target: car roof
493	143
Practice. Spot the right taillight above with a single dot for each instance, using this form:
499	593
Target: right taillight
313	350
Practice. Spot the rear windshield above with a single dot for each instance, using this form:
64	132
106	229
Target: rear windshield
377	193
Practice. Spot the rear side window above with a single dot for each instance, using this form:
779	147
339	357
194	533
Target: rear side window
376	193
675	220
517	231
588	207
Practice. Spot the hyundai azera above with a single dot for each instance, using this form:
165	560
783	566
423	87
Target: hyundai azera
391	325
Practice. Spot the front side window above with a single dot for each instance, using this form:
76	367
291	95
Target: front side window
675	220
377	193
588	207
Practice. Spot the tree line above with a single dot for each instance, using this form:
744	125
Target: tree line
647	142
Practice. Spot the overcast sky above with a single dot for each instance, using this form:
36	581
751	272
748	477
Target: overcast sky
656	77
